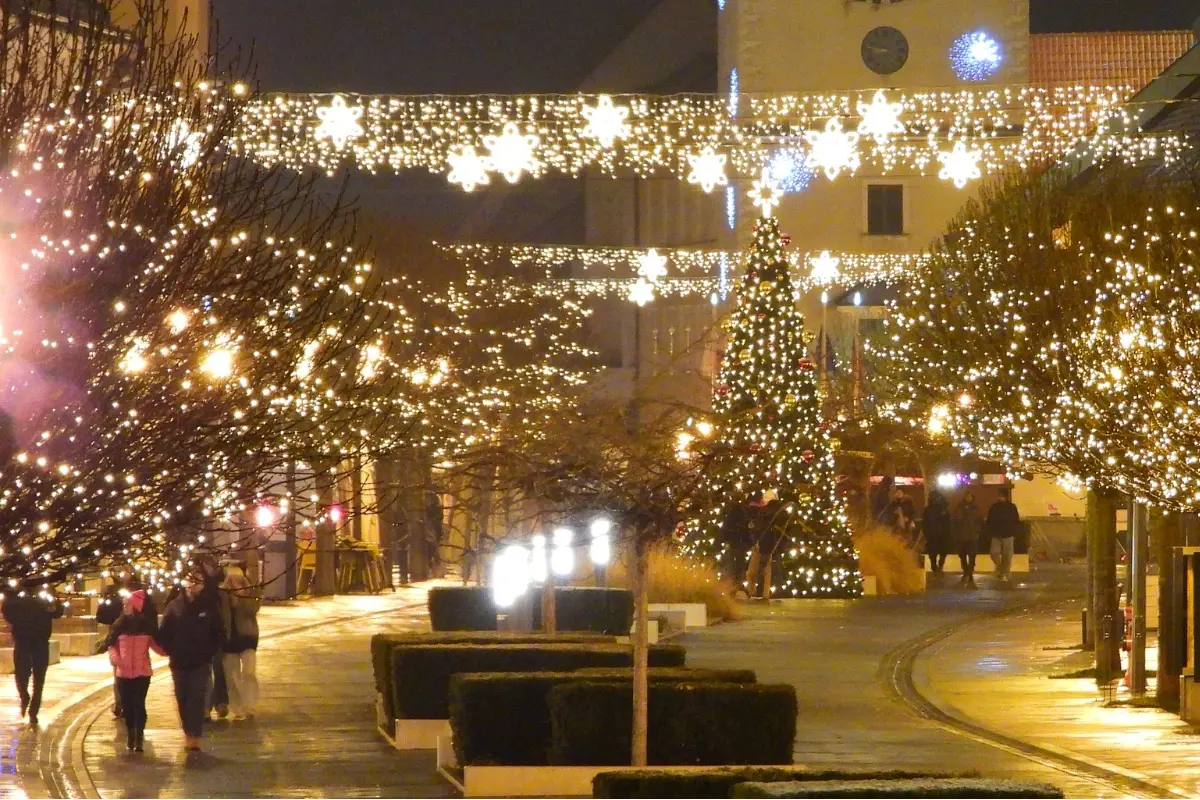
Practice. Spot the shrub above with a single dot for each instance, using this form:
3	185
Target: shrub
484	705
588	609
461	608
890	558
421	673
690	723
383	643
914	787
675	578
636	783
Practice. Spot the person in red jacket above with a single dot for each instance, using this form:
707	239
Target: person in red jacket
129	644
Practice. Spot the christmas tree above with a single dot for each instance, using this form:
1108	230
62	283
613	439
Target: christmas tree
773	482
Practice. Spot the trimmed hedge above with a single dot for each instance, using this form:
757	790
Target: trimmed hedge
917	787
588	609
690	723
720	782
714	783
461	608
421	673
383	643
483	706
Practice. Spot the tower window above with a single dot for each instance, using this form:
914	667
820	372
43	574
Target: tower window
885	209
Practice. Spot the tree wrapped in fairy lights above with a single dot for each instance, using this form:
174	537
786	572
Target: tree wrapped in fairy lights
771	454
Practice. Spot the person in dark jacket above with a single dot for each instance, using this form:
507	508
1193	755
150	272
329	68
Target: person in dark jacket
190	633
31	618
1003	523
112	605
968	524
936	525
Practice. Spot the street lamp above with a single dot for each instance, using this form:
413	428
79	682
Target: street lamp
510	576
537	560
601	549
562	557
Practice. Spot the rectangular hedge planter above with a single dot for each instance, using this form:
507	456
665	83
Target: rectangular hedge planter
588	609
915	787
461	608
382	645
698	723
483	707
719	782
421	673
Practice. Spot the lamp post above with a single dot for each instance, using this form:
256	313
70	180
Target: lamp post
600	551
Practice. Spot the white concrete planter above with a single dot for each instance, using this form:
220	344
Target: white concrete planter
695	615
78	644
410	734
651	631
870	586
6	657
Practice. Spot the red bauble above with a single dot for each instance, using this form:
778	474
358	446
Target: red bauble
722	390
806	363
787	239
808	456
756	448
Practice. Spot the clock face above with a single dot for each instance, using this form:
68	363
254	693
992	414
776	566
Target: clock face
884	50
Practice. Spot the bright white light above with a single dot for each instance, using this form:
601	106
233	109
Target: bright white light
512	152
833	149
825	268
708	169
372	357
510	575
538	571
265	516
188	143
600	551
339	123
947	480
705	428
824	298
178	321
562	557
735	88
307	362
765	194
960	165
600	527
652	266
336	515
135	360
975	56
858	298
641	292
468	169
218	364
880	119
605	122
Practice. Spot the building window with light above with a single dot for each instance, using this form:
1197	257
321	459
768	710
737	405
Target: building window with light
885	209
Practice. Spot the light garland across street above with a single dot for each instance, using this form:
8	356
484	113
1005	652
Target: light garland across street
478	140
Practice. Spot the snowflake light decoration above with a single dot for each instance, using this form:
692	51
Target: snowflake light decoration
960	165
765	194
468	169
652	266
182	138
512	153
975	56
606	122
880	119
790	170
825	269
833	149
641	292
339	122
708	169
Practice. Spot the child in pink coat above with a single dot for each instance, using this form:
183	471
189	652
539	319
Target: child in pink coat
129	644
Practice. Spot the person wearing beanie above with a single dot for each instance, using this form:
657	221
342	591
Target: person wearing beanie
129	644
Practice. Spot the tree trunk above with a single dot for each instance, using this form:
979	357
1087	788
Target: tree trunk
1102	528
1089	602
549	607
1166	533
641	655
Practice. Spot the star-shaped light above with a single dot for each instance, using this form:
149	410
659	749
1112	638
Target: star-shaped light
833	149
339	122
652	266
606	122
708	169
960	165
765	193
825	268
641	292
880	119
512	152
468	169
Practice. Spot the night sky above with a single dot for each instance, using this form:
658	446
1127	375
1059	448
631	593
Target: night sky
492	46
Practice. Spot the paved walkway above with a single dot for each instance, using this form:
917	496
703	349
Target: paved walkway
316	727
832	651
998	675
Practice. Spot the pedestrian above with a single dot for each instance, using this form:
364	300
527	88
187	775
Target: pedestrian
881	496
30	618
968	524
239	624
129	644
112	604
190	633
1003	522
936	525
